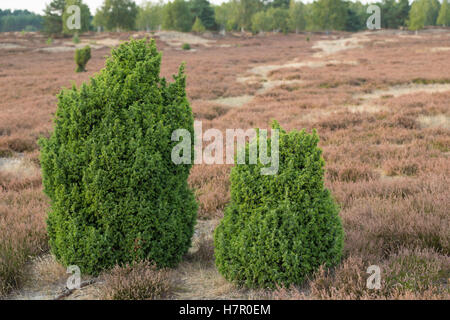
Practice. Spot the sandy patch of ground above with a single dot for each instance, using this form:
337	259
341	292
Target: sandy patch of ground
94	44
234	101
315	115
330	47
197	280
411	36
176	39
395	91
367	107
203	282
108	42
269	84
437	121
260	74
9	46
17	167
57	49
264	70
440	49
46	278
400	90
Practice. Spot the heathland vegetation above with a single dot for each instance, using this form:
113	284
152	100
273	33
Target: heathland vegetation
384	137
233	15
100	189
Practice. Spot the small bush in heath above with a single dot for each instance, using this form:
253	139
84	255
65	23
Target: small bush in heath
76	39
198	26
280	228
82	56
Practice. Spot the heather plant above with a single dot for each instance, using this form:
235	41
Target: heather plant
22	233
116	196
137	281
278	229
408	274
82	56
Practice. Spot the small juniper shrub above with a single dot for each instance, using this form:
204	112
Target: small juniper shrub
76	39
82	56
198	26
186	46
278	229
116	195
137	281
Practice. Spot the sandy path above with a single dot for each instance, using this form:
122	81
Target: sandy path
400	90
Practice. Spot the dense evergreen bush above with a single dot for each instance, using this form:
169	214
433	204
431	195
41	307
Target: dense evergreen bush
116	196
82	56
279	228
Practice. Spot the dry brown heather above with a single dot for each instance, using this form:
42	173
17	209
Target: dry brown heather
380	103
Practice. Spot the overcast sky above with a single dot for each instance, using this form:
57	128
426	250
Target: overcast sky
39	5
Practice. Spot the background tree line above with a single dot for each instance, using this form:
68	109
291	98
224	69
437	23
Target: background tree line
19	20
233	15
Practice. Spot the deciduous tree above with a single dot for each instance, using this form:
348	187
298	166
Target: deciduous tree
118	15
444	14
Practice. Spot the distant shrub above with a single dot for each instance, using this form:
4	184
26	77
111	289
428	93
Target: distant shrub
137	281
82	56
76	39
186	46
198	26
278	229
49	41
116	195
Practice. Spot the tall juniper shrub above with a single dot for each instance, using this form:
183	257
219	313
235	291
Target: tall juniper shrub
116	196
278	229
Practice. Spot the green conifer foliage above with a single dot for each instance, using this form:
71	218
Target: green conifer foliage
82	56
116	196
280	228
